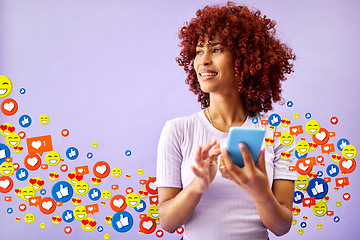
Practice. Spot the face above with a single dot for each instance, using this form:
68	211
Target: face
6	168
81	187
5	86
80	213
215	66
52	158
13	139
286	139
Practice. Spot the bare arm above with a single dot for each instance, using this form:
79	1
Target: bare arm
273	205
177	205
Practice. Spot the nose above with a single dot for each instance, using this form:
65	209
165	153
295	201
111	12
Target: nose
206	59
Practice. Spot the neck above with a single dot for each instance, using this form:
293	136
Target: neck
226	111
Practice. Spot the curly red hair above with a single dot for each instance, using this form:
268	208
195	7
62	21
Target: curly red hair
261	61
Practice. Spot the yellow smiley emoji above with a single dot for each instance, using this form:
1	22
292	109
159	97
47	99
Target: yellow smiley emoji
29	218
36	183
286	139
52	158
13	139
132	199
302	147
285	122
27	192
319	209
302	182
106	195
312	127
116	172
6	129
56	220
5	86
349	152
88	224
81	187
80	213
7	168
44	119
153	212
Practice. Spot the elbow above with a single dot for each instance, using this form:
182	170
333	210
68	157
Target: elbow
282	230
166	226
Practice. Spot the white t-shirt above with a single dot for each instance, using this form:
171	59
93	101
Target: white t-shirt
225	211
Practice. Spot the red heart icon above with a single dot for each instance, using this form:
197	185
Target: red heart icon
15	148
288	122
283	154
56	175
107	218
84	222
59	219
17	190
146	193
338	157
40	183
266	139
79	177
3	127
54	218
21	148
333	156
79	200
282	120
288	155
32	181
11	129
92	223
272	140
51	174
98	180
74	200
71	175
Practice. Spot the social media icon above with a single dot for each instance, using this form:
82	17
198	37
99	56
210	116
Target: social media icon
122	221
25	121
42	191
342	143
5	86
94	194
319	173
72	153
22	90
68	216
9	106
127	153
308	115
89	155
290	103
317	188
332	170
48	205
255	120
9	210
39	144
336	219
303	224
100	228
4	153
274	119
62	191
141	207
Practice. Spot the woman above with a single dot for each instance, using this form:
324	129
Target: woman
235	65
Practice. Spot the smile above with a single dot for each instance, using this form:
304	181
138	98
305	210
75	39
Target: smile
349	155
207	74
155	215
312	130
286	141
52	161
81	216
132	203
3	91
87	228
319	212
7	171
13	143
81	190
301	185
302	150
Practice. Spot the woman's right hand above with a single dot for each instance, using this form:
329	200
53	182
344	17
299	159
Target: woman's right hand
206	158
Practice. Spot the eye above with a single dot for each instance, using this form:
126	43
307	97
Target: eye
199	52
216	50
130	197
84	185
49	156
5	83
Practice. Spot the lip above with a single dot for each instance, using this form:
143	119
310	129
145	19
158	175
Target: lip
207	71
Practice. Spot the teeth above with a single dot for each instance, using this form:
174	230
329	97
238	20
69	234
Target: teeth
81	190
319	212
81	216
35	187
13	143
44	121
301	185
133	203
7	171
27	196
302	150
155	215
116	174
3	91
207	74
87	228
6	133
52	161
74	181
349	155
286	141
106	197
312	130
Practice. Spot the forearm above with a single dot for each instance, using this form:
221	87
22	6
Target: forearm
175	212
276	217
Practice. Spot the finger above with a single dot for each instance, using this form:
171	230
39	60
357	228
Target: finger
196	171
222	168
207	147
261	162
198	157
248	160
231	169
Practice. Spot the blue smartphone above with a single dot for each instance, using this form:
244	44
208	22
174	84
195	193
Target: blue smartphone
252	137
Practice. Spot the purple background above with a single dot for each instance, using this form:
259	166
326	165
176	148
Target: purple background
105	70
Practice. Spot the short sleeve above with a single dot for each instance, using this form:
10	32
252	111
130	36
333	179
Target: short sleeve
281	167
169	157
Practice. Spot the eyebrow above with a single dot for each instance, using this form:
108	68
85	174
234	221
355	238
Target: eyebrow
211	44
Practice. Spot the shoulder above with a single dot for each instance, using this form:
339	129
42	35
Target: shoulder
184	122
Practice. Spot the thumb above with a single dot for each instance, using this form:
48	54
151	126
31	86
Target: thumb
61	186
261	162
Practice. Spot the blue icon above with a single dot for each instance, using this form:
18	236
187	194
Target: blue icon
22	90
317	188
100	228
68	216
342	143
89	155
94	194
122	221
25	121
9	210
298	155
62	191
319	173
289	103
308	115
332	170
42	191
274	120
4	152
141	207
303	224
72	153
22	174
254	120
336	219
298	196
127	152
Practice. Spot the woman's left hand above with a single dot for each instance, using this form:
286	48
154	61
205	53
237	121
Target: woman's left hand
252	179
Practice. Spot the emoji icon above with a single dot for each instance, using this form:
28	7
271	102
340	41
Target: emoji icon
9	107
285	122
118	203
42	225
116	172
346	196
301	182
141	207
319	209
36	183
72	153
313	146
296	211
347	165
153	212
25	121
328	148
289	103
298	196
286	139
269	141
13	139
303	224
32	162
143	194
96	181
308	115
296	115
18	192
106	195
62	191
81	187
294	221
73	178
133	199
122	221
108	220
44	119
53	176
127	153
56	220
94	194
18	149
312	127
147	225
52	158
6	129
76	201
349	151
303	146
317	188
332	170
68	216
47	206
322	137
7	169
336	158
17	219
95	144
65	132
101	169
274	120
29	218
5	86
319	226
27	192
80	213
254	120
63	168
88	224
107	236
